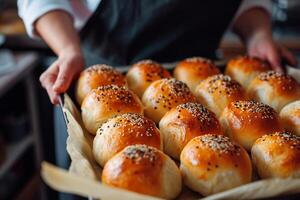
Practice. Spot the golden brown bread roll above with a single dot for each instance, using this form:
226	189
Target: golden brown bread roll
164	94
183	123
124	130
217	91
277	155
105	102
145	170
244	69
245	121
275	89
290	117
193	70
95	76
212	164
143	73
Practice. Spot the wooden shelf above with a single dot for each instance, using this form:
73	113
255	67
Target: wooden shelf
14	152
24	65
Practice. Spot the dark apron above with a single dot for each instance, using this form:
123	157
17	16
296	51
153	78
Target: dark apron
121	32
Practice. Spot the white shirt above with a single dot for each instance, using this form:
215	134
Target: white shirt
81	10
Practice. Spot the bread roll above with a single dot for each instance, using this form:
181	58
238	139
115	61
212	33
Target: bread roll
143	73
212	164
95	76
244	69
277	155
183	123
245	121
105	102
193	70
145	170
275	89
290	117
164	94
217	91
124	130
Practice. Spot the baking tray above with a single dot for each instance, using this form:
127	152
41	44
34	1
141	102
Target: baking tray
83	180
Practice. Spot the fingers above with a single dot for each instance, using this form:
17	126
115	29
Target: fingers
64	78
274	59
288	56
47	80
57	78
53	95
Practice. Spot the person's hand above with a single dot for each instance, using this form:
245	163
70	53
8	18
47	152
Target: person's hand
58	77
263	46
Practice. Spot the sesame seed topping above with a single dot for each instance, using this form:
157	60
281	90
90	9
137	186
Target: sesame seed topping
177	87
172	93
280	81
136	153
222	84
200	66
283	138
111	75
118	93
264	110
132	123
273	75
154	71
202	114
198	59
147	62
220	143
100	68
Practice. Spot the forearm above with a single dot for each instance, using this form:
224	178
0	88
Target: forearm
57	30
253	22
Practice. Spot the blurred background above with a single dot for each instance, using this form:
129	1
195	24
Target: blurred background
26	115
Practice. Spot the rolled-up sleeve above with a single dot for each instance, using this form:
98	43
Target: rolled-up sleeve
31	10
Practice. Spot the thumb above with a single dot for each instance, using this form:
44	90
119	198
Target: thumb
274	59
64	78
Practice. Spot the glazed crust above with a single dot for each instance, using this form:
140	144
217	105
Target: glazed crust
143	73
193	70
277	155
95	76
290	116
162	95
245	121
244	69
124	130
183	123
145	170
275	89
217	91
212	163
105	102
